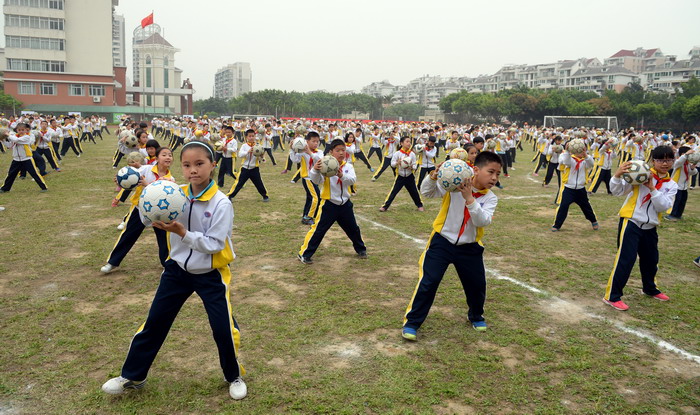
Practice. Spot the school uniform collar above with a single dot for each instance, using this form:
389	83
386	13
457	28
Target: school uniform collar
205	195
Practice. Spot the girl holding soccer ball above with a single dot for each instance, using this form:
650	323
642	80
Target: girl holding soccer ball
200	253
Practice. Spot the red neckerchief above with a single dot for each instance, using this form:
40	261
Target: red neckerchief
340	182
151	160
407	154
578	162
467	215
685	170
470	164
659	182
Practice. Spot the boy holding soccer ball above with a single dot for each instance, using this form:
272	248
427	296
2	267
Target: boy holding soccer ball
575	163
639	216
456	239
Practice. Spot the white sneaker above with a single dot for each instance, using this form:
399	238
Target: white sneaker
238	390
118	385
107	268
121	226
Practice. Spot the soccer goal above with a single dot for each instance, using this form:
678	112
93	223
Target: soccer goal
609	123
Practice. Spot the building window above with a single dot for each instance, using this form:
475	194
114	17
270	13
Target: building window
26	88
166	80
35	65
148	100
97	90
25	42
148	77
166	101
35	22
48	89
165	61
42	4
76	90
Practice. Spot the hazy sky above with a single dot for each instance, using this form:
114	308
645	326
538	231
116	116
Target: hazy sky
308	45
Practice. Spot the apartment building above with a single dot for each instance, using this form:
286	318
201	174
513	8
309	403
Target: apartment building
233	80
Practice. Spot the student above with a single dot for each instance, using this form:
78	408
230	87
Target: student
134	226
376	143
357	149
307	160
426	160
266	137
542	147
335	206
228	156
69	134
574	191
250	168
20	145
56	135
456	239
200	254
606	155
405	177
639	216
390	144
152	147
682	173
43	146
553	163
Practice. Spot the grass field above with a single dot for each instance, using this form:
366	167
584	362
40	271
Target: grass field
325	338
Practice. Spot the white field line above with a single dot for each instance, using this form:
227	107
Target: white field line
660	343
533	180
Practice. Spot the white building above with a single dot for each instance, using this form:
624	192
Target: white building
379	89
158	86
118	41
233	80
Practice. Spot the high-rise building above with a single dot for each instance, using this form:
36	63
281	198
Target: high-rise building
233	80
158	87
118	41
59	55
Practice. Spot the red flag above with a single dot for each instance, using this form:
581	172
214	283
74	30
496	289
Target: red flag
147	21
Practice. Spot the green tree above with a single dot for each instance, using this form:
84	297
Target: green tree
407	112
691	110
691	88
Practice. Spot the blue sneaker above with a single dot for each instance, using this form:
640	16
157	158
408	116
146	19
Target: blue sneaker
409	334
479	325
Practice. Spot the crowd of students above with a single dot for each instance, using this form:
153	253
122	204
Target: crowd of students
195	253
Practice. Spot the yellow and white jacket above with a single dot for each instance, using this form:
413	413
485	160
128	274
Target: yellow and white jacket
246	154
207	245
574	170
641	206
401	155
306	161
21	146
450	221
335	189
682	171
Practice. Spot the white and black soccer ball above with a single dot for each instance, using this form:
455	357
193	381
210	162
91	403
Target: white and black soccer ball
491	144
453	173
163	201
329	166
299	145
218	145
577	146
419	148
131	141
405	163
693	158
557	148
638	173
128	177
134	157
459	153
258	150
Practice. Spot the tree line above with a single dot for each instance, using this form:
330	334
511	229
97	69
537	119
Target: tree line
318	104
633	106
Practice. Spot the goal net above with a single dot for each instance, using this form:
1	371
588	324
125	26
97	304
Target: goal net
609	123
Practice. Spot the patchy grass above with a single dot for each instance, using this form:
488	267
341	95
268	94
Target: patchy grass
326	338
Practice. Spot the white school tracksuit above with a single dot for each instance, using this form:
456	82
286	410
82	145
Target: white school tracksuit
313	194
639	216
21	160
404	178
199	263
456	239
336	206
574	189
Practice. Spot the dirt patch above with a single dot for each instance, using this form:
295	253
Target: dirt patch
342	354
454	408
275	217
564	311
388	342
265	297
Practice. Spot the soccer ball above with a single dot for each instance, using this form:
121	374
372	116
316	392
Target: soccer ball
557	148
418	148
577	146
614	142
258	150
459	153
134	157
329	166
580	134
4	133
453	173
638	173
405	163
299	145
131	141
693	158
162	201
218	145
215	137
491	145
128	177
